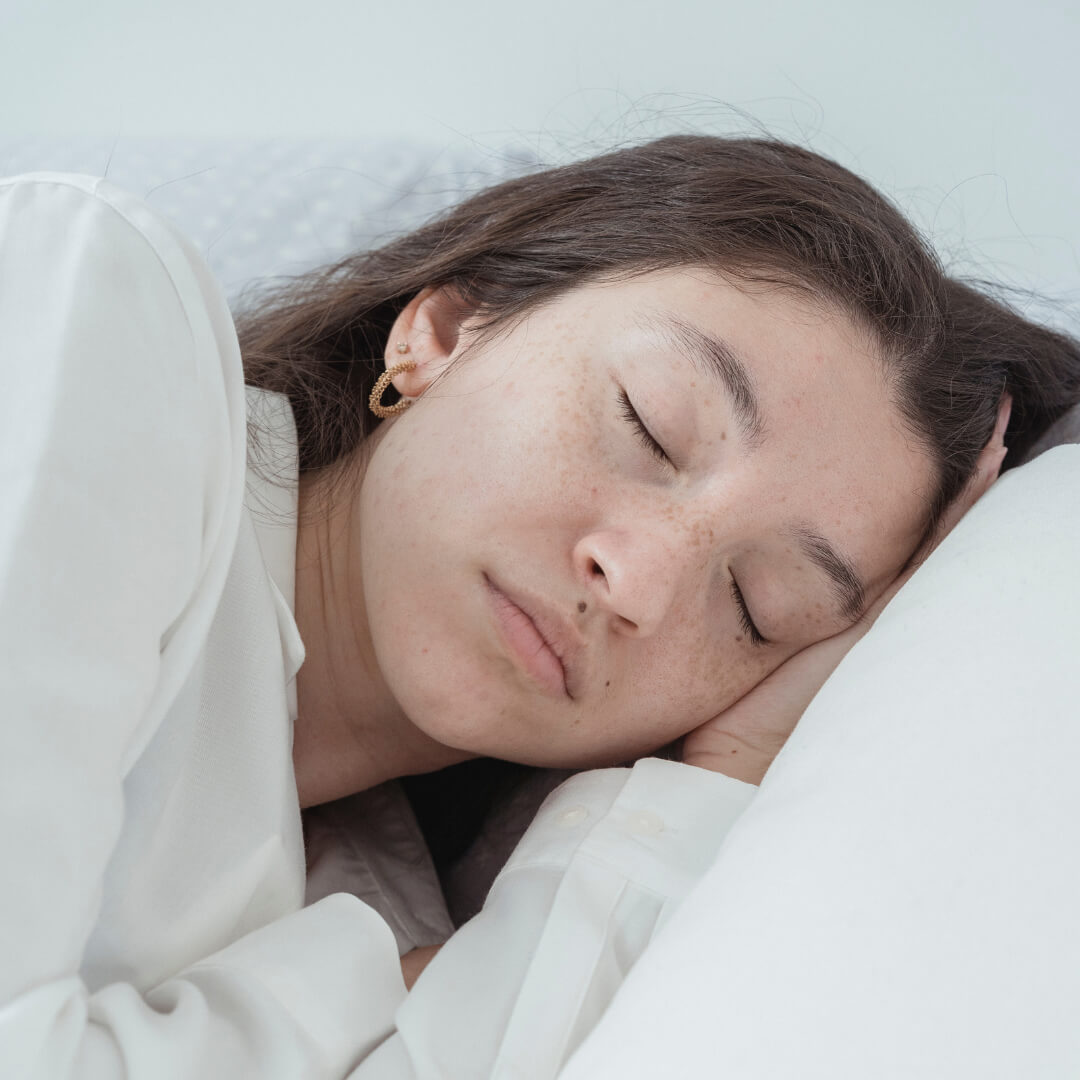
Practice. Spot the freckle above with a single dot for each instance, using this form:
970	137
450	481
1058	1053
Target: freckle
424	651
723	436
581	605
738	637
734	751
608	683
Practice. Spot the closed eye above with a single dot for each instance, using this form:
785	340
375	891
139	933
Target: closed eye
755	635
630	414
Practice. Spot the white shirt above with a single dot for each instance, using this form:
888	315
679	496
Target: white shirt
153	920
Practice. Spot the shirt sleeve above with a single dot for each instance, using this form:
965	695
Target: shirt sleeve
609	857
122	463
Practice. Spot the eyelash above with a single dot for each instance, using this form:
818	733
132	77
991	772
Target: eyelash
626	406
755	635
630	414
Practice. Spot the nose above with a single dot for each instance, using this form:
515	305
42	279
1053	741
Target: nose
635	575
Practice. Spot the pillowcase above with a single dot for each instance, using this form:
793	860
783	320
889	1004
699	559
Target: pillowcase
263	207
901	899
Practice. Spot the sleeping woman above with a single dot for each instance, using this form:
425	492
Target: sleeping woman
612	457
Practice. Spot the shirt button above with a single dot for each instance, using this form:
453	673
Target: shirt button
574	816
645	823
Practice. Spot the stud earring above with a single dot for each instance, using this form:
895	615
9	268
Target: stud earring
402	346
375	400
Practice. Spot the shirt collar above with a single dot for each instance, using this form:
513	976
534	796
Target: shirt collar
271	497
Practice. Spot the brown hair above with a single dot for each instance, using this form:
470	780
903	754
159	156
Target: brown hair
754	209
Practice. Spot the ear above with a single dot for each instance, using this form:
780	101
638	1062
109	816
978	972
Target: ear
430	325
988	463
987	468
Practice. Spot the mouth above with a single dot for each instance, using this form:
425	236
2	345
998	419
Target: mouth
528	647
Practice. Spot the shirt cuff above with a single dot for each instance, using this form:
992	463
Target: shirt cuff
659	823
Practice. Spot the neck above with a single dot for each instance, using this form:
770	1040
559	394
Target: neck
350	732
338	749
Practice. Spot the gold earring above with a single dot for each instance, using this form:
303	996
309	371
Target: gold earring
375	400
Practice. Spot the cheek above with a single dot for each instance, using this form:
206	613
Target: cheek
678	686
732	671
671	706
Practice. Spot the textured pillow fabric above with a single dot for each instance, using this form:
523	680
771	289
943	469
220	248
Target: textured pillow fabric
900	901
259	208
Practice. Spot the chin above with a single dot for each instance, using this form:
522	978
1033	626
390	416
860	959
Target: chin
527	745
496	735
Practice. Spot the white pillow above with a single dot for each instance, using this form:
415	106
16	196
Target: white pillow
902	899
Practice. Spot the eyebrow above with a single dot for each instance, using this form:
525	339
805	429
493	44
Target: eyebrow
714	357
848	589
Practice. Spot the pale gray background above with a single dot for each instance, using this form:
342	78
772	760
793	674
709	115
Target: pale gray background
963	111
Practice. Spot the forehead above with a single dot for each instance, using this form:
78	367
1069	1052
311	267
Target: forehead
772	314
833	452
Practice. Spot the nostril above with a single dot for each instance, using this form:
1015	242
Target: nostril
597	569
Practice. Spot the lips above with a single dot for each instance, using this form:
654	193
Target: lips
542	643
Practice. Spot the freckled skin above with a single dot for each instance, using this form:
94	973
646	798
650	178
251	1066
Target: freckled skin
519	464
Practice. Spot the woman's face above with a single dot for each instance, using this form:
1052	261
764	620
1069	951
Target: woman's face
543	584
